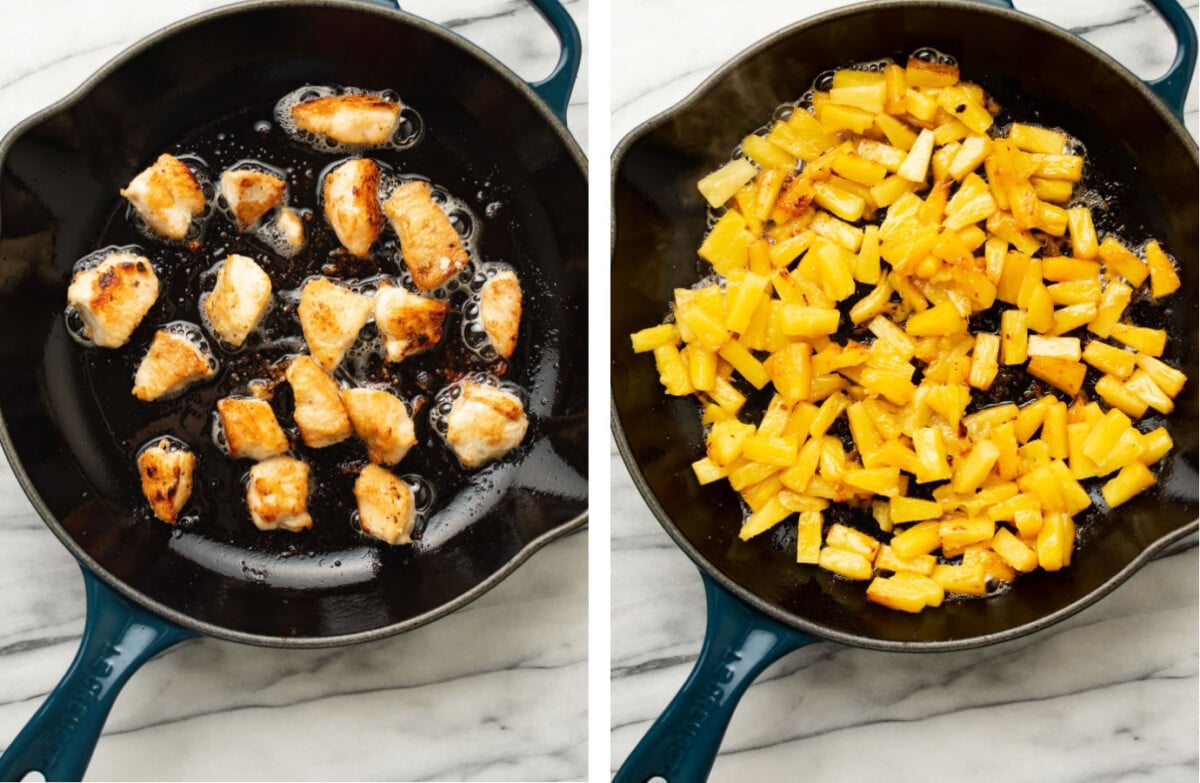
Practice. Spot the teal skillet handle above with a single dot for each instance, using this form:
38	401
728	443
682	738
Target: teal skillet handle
118	637
555	89
739	643
1172	86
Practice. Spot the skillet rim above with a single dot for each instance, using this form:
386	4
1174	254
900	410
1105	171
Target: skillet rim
163	37
710	571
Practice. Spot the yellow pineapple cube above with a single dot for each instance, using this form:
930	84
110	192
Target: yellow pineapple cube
851	565
961	579
1013	551
1032	138
1133	479
726	245
888	560
920	539
905	591
1104	436
1156	444
672	372
708	471
1110	360
957	533
1144	388
808	537
971	471
764	519
719	186
1062	374
766	154
1141	338
1056	541
1119	260
1164	279
905	509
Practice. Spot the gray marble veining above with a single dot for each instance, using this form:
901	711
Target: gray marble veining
1108	695
496	691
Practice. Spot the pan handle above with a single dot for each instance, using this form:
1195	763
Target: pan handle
1172	86
555	89
739	643
118	637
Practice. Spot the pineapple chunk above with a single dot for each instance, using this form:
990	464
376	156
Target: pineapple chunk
719	186
1133	479
851	565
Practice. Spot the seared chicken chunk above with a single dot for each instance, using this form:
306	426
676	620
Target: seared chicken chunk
166	469
113	297
291	227
409	323
251	429
350	119
250	194
277	494
484	423
352	204
239	300
433	251
331	317
382	422
319	413
167	196
385	505
172	364
500	310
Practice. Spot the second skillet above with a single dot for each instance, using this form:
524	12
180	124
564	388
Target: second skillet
761	604
487	135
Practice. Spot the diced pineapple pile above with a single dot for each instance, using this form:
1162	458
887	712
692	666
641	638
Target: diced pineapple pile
898	180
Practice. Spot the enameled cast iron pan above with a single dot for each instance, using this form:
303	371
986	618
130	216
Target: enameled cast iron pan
761	603
485	130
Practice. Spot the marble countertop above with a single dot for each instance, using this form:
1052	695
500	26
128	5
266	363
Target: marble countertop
1110	694
496	691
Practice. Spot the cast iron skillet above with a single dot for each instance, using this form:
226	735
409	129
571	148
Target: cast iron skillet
761	604
485	130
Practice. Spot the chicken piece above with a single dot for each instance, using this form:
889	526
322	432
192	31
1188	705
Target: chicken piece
291	227
352	204
166	469
113	297
433	250
409	323
382	422
319	413
239	300
167	196
331	317
250	194
173	363
251	429
500	310
350	119
484	423
277	494
385	505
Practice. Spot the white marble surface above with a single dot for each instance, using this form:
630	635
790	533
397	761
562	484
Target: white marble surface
1110	694
496	691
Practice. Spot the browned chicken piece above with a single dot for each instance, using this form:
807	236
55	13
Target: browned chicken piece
409	323
251	429
239	300
166	469
113	297
350	119
484	423
382	422
172	364
500	310
319	412
167	196
291	226
433	251
250	194
385	505
331	317
352	204
277	494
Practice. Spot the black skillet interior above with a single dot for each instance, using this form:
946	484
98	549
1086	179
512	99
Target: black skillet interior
74	429
1148	174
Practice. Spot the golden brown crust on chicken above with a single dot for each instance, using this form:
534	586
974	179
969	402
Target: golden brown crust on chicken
250	194
382	422
319	411
433	250
251	429
277	494
408	323
172	364
113	297
352	204
291	226
167	196
500	311
331	317
350	119
166	470
239	299
484	423
385	505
